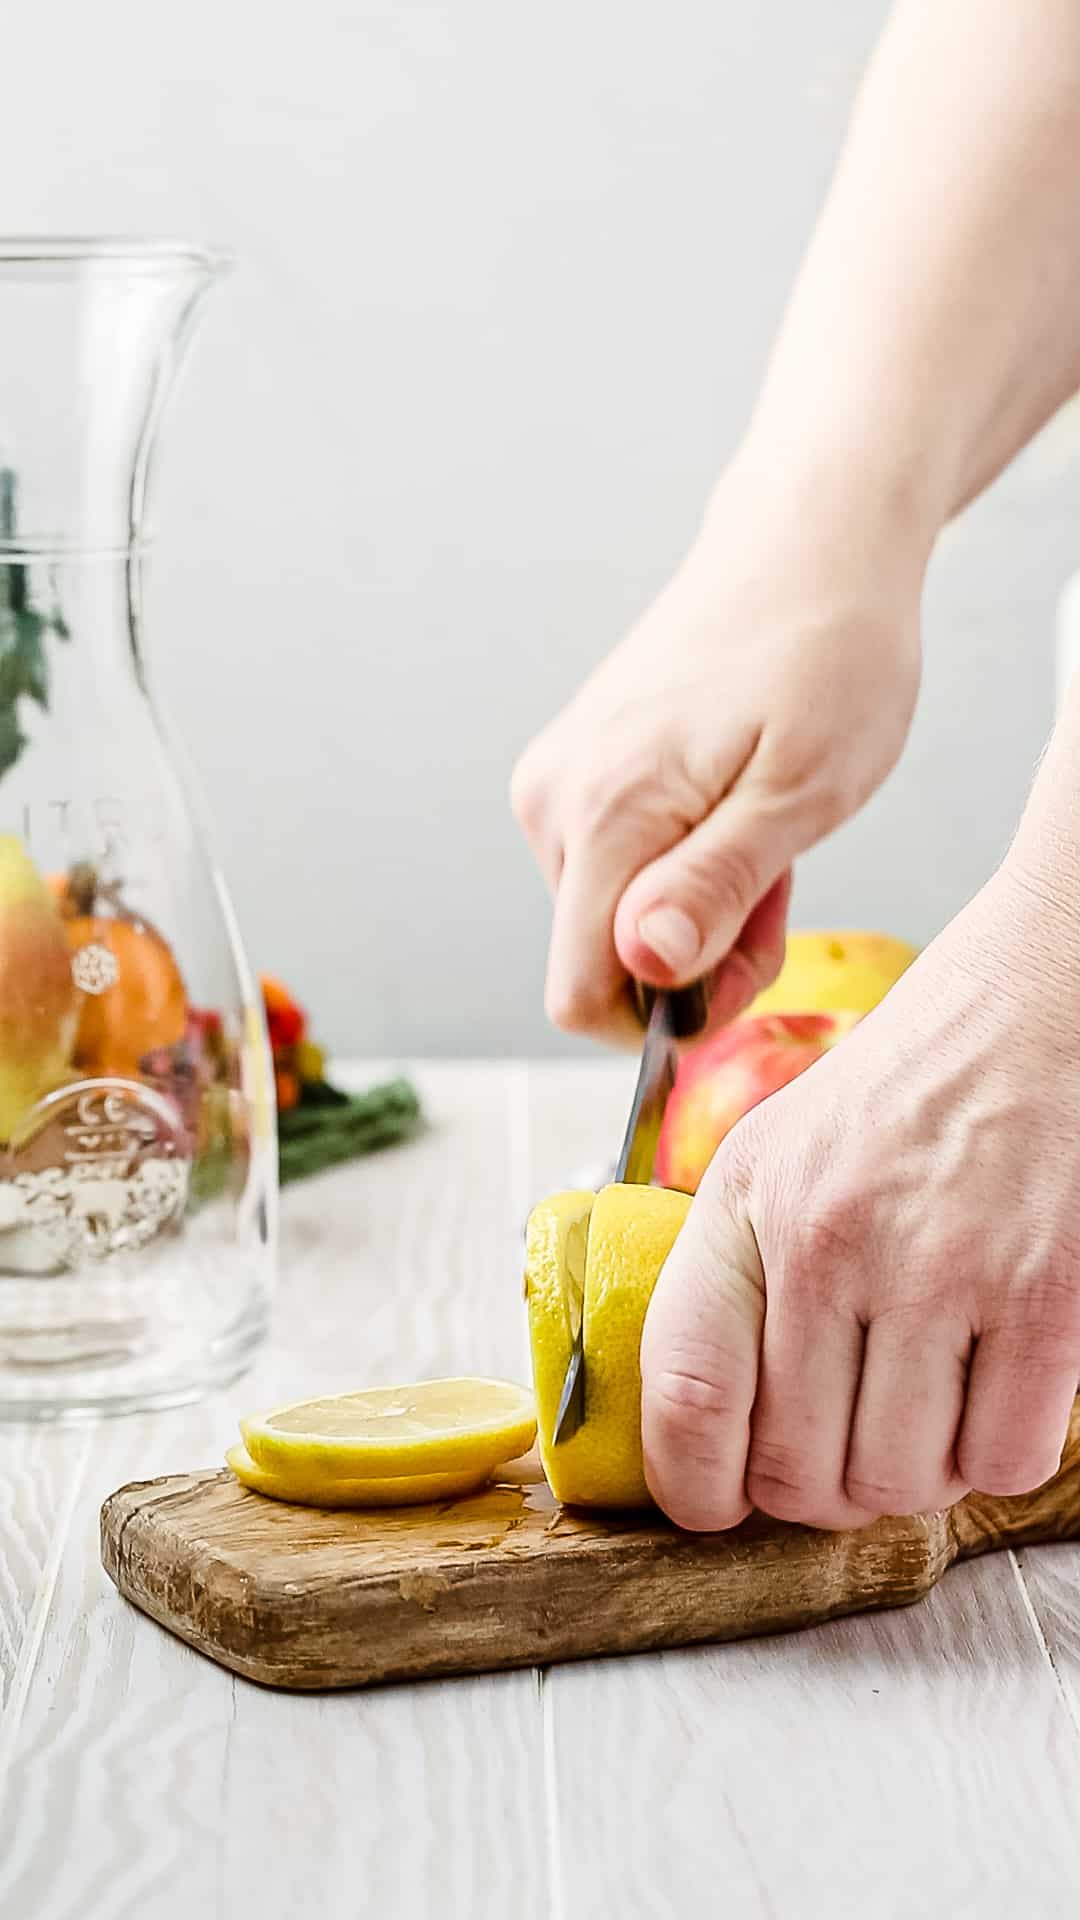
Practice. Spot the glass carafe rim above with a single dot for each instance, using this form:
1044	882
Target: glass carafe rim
135	253
105	320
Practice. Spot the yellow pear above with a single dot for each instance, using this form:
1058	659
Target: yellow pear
39	1001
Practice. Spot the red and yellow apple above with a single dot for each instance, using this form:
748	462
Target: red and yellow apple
730	1073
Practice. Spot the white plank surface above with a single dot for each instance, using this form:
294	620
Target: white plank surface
1050	1579
145	1781
38	1487
916	1763
907	1764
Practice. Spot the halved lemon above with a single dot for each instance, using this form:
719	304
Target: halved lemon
428	1427
598	1255
304	1490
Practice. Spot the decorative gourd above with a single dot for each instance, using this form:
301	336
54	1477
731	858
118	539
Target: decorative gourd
132	994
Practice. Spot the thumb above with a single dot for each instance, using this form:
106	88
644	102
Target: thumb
699	1366
680	916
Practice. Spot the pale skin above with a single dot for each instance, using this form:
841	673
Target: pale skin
875	1303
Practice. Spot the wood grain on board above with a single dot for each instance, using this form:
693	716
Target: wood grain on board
296	1597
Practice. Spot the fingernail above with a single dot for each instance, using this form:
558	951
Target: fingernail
672	936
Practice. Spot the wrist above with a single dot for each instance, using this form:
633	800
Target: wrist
1015	956
838	484
1038	882
812	516
1040	874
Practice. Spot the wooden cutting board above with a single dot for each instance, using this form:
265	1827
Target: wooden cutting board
299	1598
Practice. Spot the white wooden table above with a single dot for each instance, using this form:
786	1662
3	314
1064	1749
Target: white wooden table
916	1763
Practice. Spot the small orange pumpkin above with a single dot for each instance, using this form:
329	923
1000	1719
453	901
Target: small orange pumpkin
144	1007
132	999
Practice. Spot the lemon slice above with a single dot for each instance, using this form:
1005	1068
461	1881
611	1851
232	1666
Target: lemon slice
600	1254
304	1490
431	1426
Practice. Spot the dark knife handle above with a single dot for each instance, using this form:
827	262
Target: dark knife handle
689	1006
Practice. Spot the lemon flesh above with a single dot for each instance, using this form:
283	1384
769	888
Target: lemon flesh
307	1490
429	1427
610	1247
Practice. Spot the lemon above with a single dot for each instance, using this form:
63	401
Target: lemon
601	1254
316	1490
844	972
428	1427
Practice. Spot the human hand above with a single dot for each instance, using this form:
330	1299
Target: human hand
759	702
874	1305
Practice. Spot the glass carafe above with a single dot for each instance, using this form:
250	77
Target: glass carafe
137	1151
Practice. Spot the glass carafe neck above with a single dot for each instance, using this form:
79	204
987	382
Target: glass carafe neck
91	335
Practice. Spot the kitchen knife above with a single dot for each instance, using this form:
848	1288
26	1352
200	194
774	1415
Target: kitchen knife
671	1017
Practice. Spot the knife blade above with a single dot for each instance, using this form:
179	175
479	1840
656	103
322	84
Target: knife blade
672	1017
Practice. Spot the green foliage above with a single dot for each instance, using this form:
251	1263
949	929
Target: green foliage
24	632
329	1127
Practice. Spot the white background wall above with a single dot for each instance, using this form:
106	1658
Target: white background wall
507	277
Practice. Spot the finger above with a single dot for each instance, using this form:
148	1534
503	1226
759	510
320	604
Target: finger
755	959
1019	1400
531	790
902	1457
681	915
620	812
586	981
587	990
800	1430
699	1360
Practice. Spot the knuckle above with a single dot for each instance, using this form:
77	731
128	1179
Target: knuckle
798	1504
793	755
728	878
988	1470
804	757
823	1243
801	760
770	1493
779	1483
604	795
1049	1321
571	1008
876	1497
831	802
688	1458
689	1403
559	1009
528	793
731	1173
699	1505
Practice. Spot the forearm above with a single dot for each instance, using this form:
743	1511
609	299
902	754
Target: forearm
1044	858
935	325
